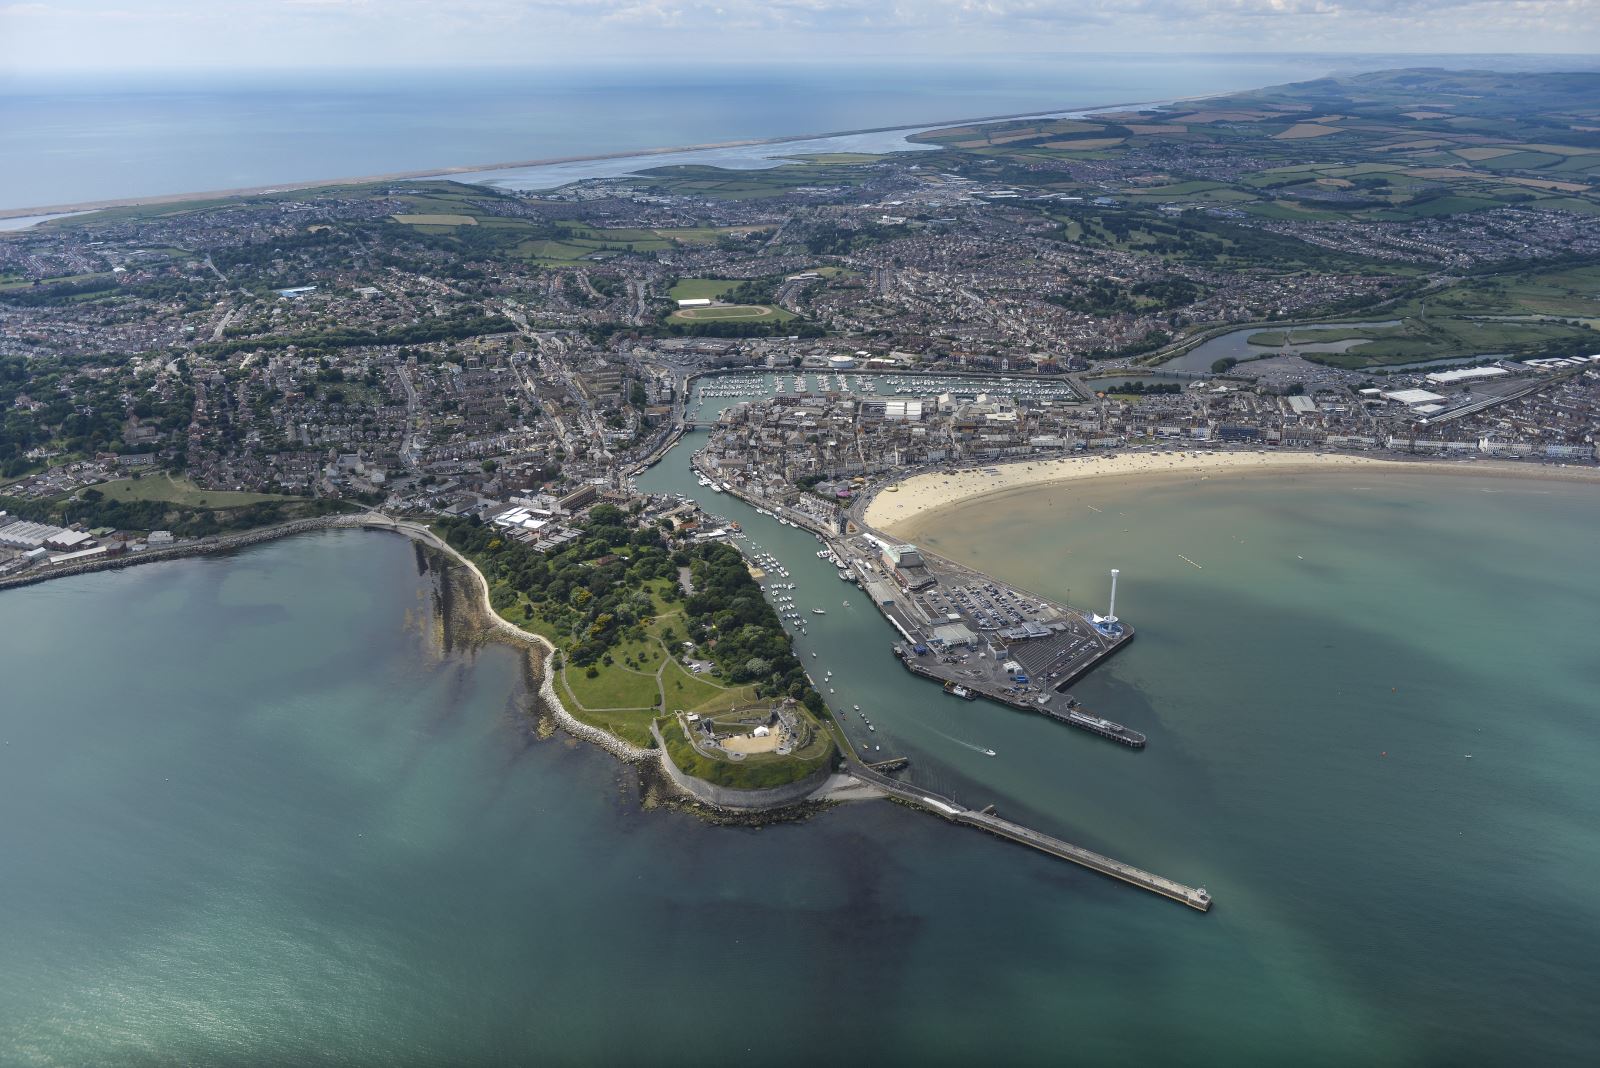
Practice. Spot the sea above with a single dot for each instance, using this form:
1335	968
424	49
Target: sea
258	811
87	137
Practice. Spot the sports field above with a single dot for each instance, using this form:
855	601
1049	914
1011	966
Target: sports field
437	219
730	311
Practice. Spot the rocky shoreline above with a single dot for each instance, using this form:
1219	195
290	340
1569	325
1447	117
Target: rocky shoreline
654	779
199	547
657	785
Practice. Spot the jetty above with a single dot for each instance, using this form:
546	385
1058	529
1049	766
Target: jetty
1196	897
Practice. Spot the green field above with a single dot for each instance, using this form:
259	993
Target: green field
163	487
701	288
626	695
437	219
613	688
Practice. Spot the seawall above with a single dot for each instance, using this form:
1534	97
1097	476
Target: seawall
738	800
198	547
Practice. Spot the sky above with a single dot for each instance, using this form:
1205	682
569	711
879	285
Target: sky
173	35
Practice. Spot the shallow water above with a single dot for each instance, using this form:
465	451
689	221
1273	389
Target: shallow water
256	814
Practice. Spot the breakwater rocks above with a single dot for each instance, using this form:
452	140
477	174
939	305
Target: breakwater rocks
489	619
198	547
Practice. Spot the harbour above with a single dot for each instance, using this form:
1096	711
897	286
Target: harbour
956	627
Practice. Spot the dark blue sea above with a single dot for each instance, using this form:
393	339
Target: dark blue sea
76	139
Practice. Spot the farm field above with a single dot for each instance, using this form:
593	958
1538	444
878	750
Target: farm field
701	288
180	491
439	219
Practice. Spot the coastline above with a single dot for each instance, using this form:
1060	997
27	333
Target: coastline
500	626
154	200
920	495
199	547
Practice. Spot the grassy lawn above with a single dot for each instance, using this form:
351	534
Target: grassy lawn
163	487
701	288
614	687
646	655
436	220
694	694
20	282
633	727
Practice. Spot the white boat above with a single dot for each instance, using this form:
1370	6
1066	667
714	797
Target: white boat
819	612
813	656
990	752
847	604
856	707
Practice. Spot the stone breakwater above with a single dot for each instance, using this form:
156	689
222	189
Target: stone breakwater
198	547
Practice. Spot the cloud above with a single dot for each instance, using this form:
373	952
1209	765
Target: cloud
89	33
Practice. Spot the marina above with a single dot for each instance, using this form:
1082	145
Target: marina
973	635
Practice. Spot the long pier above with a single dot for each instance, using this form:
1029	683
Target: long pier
985	820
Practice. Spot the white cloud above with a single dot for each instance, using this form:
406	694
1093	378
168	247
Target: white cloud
89	33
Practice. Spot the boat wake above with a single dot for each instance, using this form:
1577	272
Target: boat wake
969	745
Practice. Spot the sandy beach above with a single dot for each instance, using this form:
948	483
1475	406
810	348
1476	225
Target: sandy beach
898	505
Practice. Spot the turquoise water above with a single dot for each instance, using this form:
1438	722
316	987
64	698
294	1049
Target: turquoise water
255	814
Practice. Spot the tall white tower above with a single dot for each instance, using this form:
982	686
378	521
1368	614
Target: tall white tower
1111	613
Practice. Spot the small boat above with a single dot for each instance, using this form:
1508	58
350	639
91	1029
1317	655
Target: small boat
813	656
830	689
818	612
847	604
989	752
871	728
856	707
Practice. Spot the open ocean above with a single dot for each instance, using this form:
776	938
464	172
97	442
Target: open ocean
90	138
255	814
